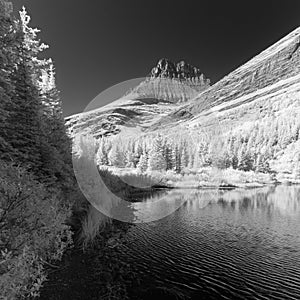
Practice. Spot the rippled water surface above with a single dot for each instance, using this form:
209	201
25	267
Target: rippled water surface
240	244
227	245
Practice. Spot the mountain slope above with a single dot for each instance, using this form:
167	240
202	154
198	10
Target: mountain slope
249	120
278	62
167	86
254	111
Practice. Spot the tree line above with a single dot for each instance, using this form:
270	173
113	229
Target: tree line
253	148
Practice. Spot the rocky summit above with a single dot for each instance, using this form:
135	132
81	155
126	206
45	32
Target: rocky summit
182	70
172	82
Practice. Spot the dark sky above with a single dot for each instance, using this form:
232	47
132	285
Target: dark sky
98	43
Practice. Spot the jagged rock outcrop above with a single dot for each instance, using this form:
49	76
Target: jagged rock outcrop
182	70
173	82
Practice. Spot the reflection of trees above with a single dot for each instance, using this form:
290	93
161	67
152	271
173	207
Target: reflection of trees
285	199
92	185
110	203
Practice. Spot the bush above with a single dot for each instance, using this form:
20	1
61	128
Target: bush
32	231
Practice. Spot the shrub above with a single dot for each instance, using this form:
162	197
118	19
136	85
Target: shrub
32	231
93	224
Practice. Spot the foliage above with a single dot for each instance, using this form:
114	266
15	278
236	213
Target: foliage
32	230
143	163
157	160
35	160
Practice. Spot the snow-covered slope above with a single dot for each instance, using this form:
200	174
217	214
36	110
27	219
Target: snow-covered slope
136	114
257	105
274	69
163	91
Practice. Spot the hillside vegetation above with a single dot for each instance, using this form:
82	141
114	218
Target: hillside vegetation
37	185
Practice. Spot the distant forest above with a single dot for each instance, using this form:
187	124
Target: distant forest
252	149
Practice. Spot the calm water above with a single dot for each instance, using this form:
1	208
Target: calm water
227	245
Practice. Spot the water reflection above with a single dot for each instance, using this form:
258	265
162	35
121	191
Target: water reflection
283	199
239	244
158	205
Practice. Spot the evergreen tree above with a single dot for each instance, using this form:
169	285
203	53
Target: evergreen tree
143	163
7	44
262	163
176	159
24	121
296	170
244	159
168	155
191	159
205	153
157	161
129	153
46	146
102	158
116	157
138	151
55	144
184	156
33	214
196	161
130	159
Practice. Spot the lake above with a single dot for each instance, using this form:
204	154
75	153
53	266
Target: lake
238	244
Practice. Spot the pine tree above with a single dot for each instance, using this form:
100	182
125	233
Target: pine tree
184	156
102	159
32	45
197	160
244	159
130	159
138	151
23	123
49	138
56	145
7	45
157	161
143	163
116	157
176	159
191	159
168	155
129	152
204	154
296	171
24	126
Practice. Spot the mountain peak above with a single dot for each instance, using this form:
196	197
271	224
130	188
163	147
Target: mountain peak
165	68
